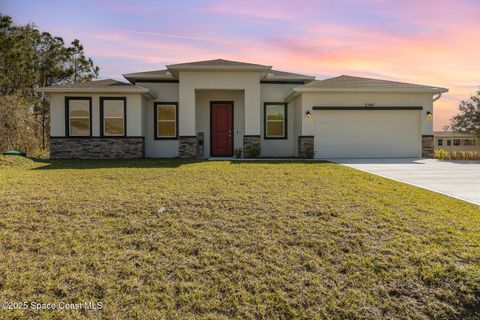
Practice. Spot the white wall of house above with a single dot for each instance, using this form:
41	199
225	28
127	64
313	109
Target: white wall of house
164	92
57	112
278	148
202	114
145	104
299	116
190	81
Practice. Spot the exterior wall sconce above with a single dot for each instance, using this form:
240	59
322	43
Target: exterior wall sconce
429	115
308	115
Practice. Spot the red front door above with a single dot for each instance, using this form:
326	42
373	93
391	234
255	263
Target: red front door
221	128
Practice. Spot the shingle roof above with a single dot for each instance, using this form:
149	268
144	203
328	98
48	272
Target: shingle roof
350	82
217	63
165	74
94	84
154	72
106	86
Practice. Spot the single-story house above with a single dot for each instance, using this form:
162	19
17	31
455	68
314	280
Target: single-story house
456	141
210	108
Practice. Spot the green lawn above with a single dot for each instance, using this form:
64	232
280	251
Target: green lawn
220	240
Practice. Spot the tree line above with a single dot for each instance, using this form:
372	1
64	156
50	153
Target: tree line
30	59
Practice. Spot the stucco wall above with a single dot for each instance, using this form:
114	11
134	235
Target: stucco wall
190	81
278	148
164	92
202	114
297	108
57	113
360	99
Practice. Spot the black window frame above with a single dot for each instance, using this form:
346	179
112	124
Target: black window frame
285	133
449	142
102	133
457	142
155	121
440	142
67	116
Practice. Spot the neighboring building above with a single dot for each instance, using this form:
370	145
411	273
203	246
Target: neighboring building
209	108
454	141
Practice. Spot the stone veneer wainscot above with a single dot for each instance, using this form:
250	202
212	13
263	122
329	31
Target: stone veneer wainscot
306	147
427	146
97	148
187	146
250	142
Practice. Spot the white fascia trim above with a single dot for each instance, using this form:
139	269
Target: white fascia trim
139	76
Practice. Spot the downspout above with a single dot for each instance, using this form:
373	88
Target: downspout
437	97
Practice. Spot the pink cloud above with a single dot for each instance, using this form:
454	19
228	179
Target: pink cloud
427	42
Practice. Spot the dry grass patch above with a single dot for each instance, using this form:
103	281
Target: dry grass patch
220	240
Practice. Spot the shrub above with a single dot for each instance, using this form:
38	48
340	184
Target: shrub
441	154
238	152
18	127
457	155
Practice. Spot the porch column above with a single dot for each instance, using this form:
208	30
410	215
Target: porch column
187	134
252	142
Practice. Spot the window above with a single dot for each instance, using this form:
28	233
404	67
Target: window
275	116
166	120
456	142
440	142
469	142
449	142
78	113
113	116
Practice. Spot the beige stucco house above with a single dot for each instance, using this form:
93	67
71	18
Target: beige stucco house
456	141
210	108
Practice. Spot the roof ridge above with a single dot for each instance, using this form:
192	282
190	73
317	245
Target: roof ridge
375	79
216	62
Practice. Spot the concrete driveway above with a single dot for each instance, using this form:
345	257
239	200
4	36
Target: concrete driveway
458	179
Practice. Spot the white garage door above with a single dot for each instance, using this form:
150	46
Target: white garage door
367	133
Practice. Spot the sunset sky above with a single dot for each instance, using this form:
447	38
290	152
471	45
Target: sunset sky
434	42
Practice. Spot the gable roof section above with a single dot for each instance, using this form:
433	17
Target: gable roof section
97	86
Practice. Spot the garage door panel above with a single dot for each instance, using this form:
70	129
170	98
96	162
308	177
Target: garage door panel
367	133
